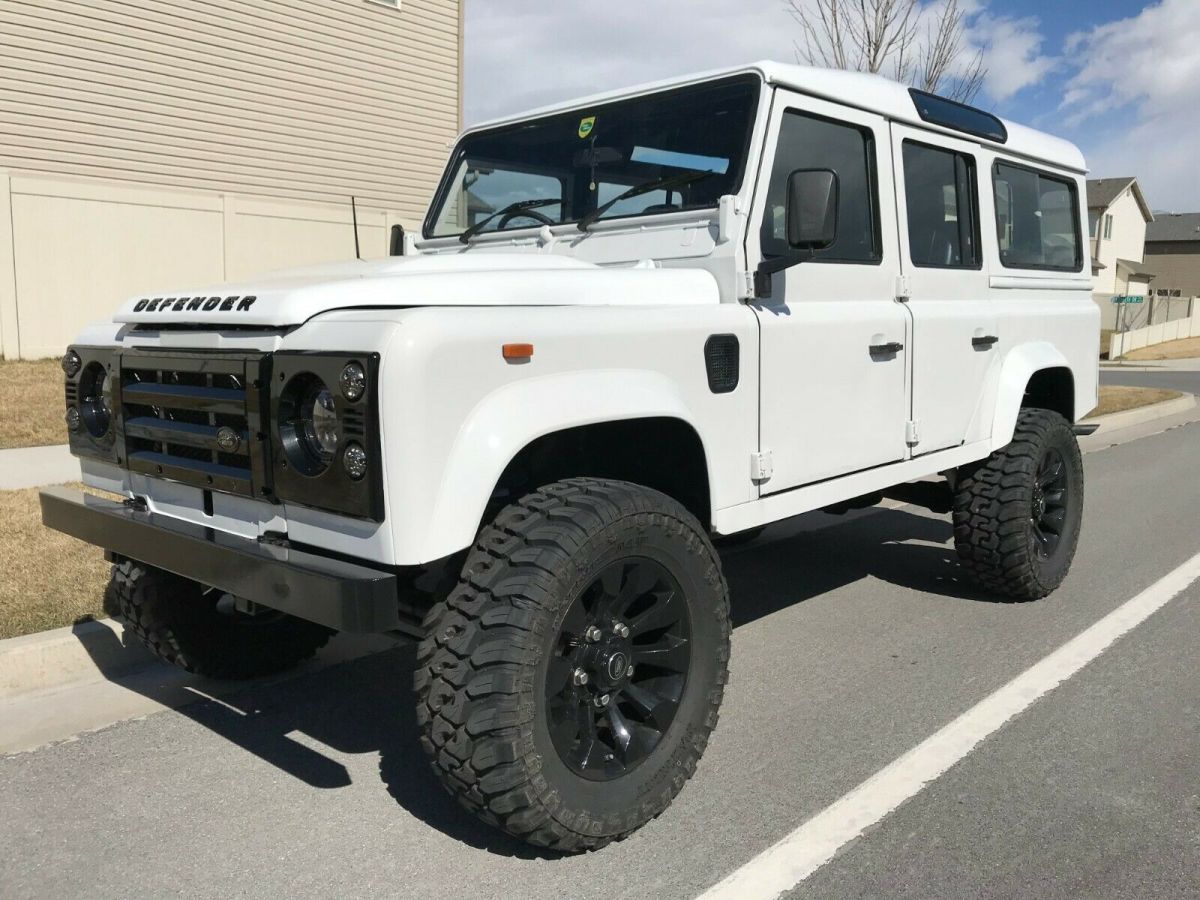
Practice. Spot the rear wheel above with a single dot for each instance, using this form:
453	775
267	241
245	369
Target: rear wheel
200	630
567	687
1017	513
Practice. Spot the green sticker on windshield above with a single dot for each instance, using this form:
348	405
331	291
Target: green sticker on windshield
586	126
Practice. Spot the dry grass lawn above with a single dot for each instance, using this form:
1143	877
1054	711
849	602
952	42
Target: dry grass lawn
31	403
1185	349
50	580
1114	398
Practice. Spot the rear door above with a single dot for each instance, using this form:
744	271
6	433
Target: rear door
955	325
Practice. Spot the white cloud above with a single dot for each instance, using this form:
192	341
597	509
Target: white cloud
1137	89
525	53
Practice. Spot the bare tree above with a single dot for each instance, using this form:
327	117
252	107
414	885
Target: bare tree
886	36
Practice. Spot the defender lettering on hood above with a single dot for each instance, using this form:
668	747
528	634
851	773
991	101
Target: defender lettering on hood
194	304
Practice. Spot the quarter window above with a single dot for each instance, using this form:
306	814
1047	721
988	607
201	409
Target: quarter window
943	218
811	142
1037	219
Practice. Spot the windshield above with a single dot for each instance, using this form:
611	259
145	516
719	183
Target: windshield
568	166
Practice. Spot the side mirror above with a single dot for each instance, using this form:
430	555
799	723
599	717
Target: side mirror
812	205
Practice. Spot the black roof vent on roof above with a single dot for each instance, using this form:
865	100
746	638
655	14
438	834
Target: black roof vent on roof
952	114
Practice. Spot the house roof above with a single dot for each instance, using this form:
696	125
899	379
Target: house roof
1101	192
1137	269
870	92
1174	227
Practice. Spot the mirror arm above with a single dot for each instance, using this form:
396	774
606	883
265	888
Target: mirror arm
768	267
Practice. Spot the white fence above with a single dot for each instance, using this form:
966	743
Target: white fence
1120	344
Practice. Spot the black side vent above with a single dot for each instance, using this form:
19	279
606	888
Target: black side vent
722	360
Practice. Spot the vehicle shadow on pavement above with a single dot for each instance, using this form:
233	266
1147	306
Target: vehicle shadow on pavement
366	705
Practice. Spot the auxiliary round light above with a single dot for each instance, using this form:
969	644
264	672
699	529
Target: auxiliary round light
354	460
71	363
73	418
353	382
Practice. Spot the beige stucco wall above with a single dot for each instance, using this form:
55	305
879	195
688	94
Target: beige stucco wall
1127	242
1177	265
76	248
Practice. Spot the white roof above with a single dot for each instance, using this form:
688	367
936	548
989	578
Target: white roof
860	89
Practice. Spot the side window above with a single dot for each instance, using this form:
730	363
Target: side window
943	212
1037	219
811	142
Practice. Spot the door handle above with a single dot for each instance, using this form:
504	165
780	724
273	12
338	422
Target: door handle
888	348
984	342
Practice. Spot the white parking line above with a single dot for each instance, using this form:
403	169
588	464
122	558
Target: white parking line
814	843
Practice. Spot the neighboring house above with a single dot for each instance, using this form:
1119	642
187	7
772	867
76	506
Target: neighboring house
1173	248
1117	218
148	145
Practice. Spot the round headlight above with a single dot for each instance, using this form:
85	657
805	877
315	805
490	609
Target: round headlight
95	400
308	424
354	460
353	382
71	363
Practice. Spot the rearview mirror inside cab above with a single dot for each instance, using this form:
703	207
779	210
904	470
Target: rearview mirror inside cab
812	197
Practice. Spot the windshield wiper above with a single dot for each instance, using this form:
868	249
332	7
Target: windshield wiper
667	181
519	206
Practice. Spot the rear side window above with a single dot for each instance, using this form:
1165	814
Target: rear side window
943	212
812	142
1037	219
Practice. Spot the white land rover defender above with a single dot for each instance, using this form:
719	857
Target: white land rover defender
630	326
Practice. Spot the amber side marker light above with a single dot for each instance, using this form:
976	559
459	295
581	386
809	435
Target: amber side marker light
517	352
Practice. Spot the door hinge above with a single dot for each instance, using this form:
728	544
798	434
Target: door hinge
903	288
761	466
746	286
911	435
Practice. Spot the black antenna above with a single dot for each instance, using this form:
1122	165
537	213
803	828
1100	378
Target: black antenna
354	215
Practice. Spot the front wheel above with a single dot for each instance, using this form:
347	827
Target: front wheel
568	685
1017	513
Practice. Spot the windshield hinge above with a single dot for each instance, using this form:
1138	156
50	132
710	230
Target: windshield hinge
912	436
903	289
761	466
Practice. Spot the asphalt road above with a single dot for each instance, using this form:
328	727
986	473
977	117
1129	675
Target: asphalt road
1170	379
853	643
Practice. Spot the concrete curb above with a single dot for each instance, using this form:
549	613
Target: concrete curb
50	659
1130	417
29	467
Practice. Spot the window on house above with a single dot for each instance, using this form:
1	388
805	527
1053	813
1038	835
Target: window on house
943	217
1108	228
812	142
1037	219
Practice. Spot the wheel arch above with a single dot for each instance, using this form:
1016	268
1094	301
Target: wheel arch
1037	375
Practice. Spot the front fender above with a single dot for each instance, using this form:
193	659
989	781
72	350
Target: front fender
505	421
1019	366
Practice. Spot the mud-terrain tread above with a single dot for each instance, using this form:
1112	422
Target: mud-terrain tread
482	647
144	597
991	509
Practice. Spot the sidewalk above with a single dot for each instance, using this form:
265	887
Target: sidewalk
28	467
1188	364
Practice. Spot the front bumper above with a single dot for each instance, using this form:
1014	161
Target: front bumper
338	594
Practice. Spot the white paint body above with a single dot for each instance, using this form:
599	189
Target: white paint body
619	317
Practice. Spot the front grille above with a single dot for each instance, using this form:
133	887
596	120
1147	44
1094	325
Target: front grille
196	418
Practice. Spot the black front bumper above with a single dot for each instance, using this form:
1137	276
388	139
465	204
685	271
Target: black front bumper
331	592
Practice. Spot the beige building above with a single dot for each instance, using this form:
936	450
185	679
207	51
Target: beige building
1173	248
146	144
1117	219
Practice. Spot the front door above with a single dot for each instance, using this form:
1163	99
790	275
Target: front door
834	339
955	327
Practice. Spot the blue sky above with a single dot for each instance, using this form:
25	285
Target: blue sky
1121	78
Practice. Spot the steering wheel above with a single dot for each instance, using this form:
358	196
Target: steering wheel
524	214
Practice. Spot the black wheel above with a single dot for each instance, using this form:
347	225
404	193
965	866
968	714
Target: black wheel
198	629
568	685
1017	513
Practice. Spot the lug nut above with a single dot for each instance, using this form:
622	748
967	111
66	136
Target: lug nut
592	634
580	678
621	629
603	700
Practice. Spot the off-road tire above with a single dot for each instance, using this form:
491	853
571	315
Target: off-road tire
179	622
994	510
481	667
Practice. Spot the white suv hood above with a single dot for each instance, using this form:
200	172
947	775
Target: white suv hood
470	278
